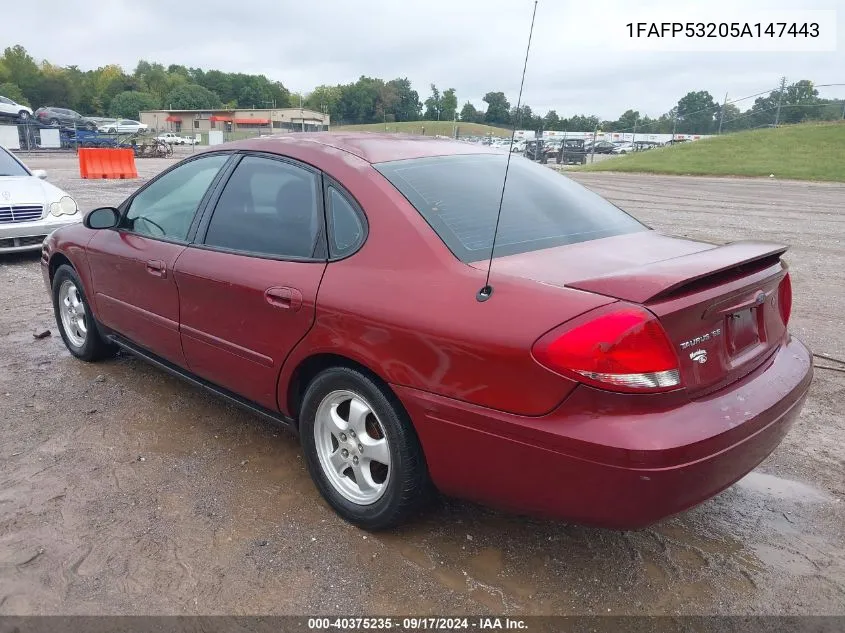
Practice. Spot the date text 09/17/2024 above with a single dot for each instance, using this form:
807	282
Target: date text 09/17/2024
408	624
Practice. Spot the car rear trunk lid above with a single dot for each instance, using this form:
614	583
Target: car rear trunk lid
719	305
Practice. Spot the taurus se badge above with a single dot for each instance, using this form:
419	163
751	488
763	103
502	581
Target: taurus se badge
699	356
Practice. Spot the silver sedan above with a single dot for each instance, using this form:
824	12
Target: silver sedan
30	207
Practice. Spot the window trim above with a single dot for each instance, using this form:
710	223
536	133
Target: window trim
192	228
331	183
321	246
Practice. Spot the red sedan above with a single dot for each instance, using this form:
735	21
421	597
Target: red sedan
333	283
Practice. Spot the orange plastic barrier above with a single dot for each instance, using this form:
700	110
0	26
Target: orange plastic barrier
95	162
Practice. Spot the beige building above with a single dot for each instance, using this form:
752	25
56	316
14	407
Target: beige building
266	121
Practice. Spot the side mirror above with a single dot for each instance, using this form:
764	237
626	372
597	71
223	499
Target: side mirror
102	218
39	173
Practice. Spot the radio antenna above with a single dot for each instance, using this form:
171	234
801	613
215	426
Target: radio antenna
487	291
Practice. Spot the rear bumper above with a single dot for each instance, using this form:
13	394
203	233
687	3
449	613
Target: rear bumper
612	460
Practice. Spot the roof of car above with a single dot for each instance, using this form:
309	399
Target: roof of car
371	147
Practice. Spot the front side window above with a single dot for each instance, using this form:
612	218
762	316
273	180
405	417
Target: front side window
167	206
459	197
268	207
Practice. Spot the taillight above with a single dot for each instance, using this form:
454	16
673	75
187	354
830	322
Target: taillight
621	349
785	298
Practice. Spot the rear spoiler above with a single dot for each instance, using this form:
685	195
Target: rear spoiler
666	277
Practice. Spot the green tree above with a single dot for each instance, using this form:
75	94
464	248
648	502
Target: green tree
498	108
801	101
358	101
469	113
324	99
191	97
129	104
448	105
551	121
695	113
731	119
21	69
408	106
524	119
13	92
433	105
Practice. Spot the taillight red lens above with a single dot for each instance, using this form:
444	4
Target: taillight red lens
785	298
624	349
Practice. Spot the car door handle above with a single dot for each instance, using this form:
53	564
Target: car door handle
157	268
283	297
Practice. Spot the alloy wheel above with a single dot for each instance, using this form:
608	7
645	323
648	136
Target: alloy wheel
72	310
352	447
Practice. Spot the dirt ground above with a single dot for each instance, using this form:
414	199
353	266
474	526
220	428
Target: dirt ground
126	491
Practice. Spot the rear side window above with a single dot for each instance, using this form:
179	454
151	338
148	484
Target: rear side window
459	197
346	230
268	207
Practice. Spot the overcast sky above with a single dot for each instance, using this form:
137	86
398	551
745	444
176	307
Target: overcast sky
576	64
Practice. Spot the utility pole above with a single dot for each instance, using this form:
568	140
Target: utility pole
674	126
634	137
780	99
593	148
843	111
722	113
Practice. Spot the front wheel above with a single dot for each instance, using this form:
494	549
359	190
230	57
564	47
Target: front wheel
361	449
74	318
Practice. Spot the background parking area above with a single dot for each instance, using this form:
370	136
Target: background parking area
127	491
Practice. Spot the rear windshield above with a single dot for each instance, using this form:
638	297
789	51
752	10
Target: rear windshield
459	197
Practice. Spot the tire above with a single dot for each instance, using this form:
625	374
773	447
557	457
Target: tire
68	288
54	122
23	115
112	130
392	491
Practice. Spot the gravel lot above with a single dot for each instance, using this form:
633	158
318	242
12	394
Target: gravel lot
127	491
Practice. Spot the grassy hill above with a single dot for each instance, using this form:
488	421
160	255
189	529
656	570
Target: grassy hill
802	152
432	128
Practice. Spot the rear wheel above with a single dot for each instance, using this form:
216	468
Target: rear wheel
23	115
361	449
74	318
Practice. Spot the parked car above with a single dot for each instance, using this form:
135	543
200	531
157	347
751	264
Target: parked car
174	139
623	148
571	151
123	126
30	207
607	374
599	147
64	117
641	146
10	109
675	141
